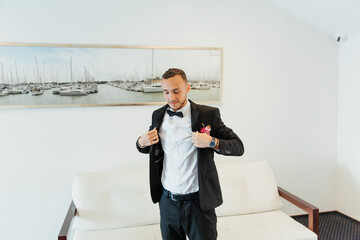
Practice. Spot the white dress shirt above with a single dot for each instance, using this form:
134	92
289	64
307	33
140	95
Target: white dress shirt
180	169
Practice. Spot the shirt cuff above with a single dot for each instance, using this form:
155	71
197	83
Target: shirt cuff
137	142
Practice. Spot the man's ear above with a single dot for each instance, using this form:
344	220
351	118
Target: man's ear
188	87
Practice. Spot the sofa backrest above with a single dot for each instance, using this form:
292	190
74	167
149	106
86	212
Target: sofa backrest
119	199
247	187
114	199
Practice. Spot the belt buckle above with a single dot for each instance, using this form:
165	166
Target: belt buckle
172	197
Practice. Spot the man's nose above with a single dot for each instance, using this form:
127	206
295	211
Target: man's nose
171	96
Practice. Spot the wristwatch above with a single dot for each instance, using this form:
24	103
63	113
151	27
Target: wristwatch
212	143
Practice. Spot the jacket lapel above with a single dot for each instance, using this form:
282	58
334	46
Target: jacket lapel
156	151
194	116
159	116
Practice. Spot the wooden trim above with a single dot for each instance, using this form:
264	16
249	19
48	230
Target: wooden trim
307	207
66	224
77	45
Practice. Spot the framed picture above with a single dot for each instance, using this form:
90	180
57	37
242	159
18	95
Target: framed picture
68	75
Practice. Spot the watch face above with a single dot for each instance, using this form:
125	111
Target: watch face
212	143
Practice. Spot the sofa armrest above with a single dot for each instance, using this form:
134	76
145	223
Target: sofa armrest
66	224
307	207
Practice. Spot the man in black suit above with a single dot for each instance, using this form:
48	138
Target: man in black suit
183	175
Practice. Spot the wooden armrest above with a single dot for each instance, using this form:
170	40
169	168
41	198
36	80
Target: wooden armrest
66	224
307	207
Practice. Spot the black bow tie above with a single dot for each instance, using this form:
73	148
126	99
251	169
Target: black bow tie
172	113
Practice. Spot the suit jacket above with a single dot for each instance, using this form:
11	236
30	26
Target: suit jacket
210	195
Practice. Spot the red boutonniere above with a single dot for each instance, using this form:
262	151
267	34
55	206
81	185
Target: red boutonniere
206	129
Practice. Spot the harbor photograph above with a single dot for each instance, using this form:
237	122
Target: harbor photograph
54	75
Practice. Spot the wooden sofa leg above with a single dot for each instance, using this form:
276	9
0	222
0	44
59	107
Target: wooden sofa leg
314	221
67	222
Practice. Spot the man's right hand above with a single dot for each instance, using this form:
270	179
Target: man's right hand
149	138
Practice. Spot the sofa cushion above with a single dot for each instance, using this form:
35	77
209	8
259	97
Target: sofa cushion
273	225
150	232
113	199
247	187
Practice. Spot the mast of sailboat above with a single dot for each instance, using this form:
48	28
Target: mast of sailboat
152	65
24	75
2	73
37	71
16	72
35	77
44	71
85	74
11	79
8	78
71	78
57	77
52	76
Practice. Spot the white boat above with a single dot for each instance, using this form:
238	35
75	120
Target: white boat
153	88
37	92
200	86
15	91
24	89
73	92
138	89
91	88
63	88
4	92
46	87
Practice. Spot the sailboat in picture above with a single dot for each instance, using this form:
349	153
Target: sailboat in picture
74	90
3	91
37	90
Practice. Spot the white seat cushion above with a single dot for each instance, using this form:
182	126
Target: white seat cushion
149	232
273	225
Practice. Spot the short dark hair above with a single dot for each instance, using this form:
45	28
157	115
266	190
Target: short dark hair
173	72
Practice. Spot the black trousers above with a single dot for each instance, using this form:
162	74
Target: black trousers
185	218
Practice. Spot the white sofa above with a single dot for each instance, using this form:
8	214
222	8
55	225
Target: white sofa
116	205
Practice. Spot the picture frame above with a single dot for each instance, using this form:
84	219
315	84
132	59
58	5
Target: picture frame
36	75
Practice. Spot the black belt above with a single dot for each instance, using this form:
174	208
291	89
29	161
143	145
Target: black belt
181	197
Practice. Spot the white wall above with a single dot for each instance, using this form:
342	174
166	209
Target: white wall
348	177
280	96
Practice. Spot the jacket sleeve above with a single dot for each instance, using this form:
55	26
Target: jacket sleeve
229	142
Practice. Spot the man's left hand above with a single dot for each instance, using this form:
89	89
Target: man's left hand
201	140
